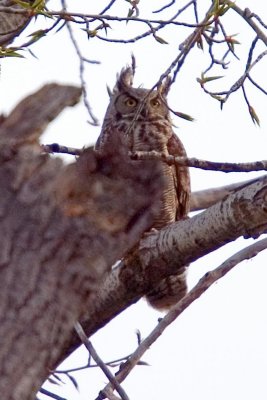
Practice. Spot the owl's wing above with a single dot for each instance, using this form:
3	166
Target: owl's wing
181	178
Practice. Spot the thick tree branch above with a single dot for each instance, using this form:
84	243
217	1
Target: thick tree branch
203	199
243	213
28	120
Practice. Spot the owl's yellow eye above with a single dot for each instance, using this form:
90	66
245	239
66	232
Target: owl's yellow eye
155	103
130	102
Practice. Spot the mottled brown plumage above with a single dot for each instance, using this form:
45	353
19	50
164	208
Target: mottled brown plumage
141	118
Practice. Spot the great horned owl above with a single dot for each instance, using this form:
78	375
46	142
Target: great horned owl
142	119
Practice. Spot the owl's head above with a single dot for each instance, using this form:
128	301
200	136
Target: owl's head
143	104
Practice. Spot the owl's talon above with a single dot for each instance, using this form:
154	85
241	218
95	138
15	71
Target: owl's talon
152	231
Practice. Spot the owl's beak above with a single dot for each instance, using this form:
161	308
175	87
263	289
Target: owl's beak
145	112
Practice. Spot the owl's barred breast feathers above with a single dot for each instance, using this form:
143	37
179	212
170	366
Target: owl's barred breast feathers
141	118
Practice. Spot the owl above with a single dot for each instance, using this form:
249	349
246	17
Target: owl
142	120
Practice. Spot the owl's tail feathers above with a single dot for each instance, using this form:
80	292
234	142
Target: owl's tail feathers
168	292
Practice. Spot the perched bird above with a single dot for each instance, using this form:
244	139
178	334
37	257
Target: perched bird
142	119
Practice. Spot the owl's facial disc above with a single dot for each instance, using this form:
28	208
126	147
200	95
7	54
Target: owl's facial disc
149	105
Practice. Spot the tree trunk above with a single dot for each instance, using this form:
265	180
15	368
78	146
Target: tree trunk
62	228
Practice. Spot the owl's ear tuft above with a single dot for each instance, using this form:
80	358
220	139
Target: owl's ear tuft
165	86
110	92
125	79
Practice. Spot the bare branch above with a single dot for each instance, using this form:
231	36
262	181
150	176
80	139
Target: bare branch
204	284
107	7
94	121
52	395
202	164
203	199
57	148
247	15
164	7
199	200
171	160
100	363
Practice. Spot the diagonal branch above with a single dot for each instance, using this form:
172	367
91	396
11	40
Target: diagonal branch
247	15
115	384
204	283
31	116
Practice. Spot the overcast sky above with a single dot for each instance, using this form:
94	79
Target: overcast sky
217	348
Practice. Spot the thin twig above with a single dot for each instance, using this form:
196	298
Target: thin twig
58	148
52	395
94	121
202	164
99	361
113	363
164	7
171	160
204	283
107	7
247	15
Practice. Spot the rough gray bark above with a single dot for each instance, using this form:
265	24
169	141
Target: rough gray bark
62	228
203	199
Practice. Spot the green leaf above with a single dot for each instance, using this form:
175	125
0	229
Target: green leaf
209	78
184	116
38	34
254	116
130	12
23	4
92	33
216	97
38	3
38	6
160	39
9	53
224	8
